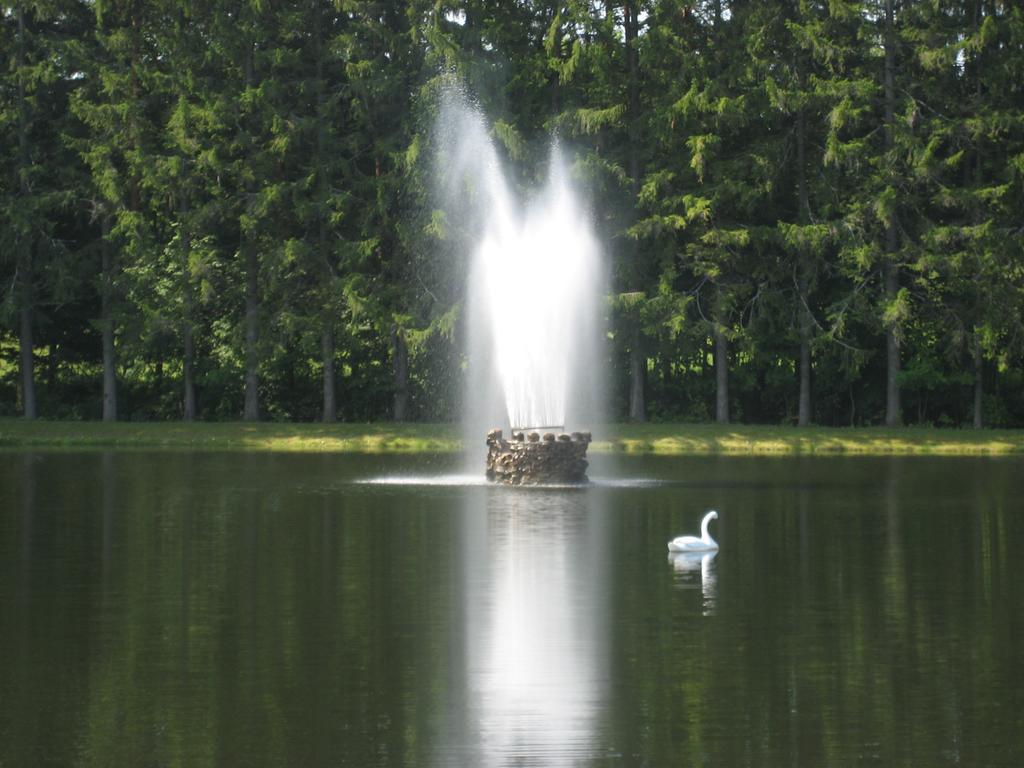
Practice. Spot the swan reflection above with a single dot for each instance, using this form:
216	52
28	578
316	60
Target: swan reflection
688	565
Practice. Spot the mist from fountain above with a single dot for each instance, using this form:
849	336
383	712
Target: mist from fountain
534	286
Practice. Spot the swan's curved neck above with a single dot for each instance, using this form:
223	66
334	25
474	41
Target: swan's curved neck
704	527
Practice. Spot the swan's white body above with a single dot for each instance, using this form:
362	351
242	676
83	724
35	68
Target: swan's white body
693	544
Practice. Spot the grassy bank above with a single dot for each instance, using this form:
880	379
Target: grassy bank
759	439
666	439
262	436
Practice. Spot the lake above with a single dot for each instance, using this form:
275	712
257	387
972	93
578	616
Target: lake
195	608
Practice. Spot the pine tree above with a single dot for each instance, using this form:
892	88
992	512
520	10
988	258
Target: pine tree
112	104
247	146
789	67
313	92
967	101
183	167
714	203
35	193
598	54
377	279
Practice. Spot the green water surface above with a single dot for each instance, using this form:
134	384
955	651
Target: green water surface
176	608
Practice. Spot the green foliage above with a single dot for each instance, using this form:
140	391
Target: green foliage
748	168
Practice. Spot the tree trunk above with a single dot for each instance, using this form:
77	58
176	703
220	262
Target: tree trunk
24	241
28	382
401	370
893	409
330	404
251	409
664	362
804	217
252	309
53	364
979	390
188	359
804	405
107	323
327	350
631	24
804	201
637	357
637	375
977	170
189	413
721	374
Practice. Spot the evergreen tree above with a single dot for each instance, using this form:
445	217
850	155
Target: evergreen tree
186	166
253	135
315	92
967	102
35	196
789	61
379	280
714	201
112	104
598	54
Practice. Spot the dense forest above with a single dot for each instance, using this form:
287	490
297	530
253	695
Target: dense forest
811	209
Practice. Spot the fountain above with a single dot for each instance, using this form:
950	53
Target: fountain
535	284
530	460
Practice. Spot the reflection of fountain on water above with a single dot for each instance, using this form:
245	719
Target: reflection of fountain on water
688	565
475	479
443	481
535	629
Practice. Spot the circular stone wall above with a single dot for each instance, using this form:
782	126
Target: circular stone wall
533	458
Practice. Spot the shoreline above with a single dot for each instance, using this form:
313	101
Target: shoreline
659	439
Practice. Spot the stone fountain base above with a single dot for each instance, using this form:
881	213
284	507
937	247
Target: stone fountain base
531	458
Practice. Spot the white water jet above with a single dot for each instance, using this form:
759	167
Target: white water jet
534	287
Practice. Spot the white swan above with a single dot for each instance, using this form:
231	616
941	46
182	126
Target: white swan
691	543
